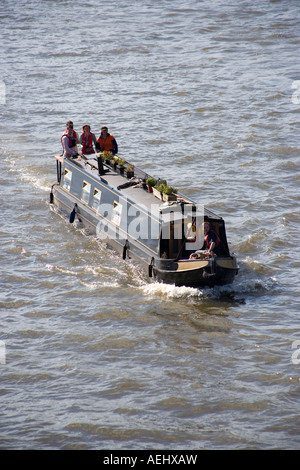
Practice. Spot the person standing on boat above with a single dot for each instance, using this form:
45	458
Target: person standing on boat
211	242
69	141
106	142
87	140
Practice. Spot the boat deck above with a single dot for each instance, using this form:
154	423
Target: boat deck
133	188
135	191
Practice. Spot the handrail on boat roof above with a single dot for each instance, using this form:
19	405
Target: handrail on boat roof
59	158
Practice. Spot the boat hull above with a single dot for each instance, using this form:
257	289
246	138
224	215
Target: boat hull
88	220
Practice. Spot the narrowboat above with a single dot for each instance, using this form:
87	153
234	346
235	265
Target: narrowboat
114	202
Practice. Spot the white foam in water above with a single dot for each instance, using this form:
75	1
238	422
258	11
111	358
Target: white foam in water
96	286
51	267
26	176
233	292
171	291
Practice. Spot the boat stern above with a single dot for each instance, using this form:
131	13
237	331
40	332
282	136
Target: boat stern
196	272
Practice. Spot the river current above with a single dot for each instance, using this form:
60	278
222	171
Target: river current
92	354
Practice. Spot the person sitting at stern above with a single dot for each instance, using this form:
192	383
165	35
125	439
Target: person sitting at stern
211	243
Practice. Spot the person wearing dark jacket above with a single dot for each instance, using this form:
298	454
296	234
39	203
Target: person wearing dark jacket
106	142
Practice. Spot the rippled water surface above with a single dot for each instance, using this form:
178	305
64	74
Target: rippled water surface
92	355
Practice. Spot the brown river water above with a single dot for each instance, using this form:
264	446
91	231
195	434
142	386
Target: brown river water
93	355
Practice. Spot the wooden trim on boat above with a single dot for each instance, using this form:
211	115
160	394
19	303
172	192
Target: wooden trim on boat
191	265
59	158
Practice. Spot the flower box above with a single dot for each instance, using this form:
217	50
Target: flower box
157	193
169	197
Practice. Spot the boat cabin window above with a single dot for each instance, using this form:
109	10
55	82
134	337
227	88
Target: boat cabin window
67	179
96	199
86	190
116	213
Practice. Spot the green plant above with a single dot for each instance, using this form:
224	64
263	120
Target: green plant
166	189
106	155
151	181
120	161
171	190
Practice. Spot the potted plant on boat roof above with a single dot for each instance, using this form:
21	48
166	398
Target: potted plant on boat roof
150	182
107	156
114	161
120	165
130	171
157	188
167	192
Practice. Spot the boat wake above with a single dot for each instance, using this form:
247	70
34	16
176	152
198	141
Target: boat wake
171	291
30	175
236	293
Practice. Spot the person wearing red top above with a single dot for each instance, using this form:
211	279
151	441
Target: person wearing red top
211	243
106	142
87	140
